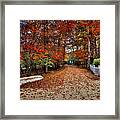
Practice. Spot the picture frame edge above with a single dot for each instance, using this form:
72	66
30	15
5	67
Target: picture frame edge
2	67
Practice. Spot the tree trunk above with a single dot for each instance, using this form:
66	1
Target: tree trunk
46	68
89	54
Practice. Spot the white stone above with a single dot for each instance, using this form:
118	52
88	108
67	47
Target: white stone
30	79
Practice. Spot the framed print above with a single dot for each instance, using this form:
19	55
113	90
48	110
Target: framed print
60	59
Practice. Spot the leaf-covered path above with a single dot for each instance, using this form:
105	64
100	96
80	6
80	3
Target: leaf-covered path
69	83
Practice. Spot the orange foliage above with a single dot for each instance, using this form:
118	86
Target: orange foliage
82	54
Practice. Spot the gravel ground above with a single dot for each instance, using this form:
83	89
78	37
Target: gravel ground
69	83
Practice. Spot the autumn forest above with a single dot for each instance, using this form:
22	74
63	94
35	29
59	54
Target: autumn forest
59	59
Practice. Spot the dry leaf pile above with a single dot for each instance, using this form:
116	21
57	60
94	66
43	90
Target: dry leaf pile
69	83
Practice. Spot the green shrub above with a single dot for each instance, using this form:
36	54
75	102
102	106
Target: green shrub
96	62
